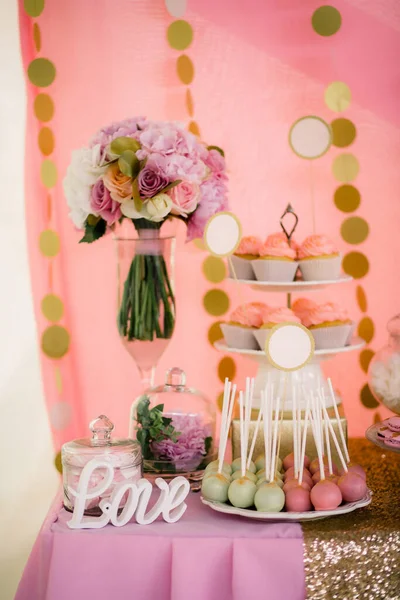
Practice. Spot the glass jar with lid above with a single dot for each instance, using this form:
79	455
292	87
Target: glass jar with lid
175	426
384	369
124	455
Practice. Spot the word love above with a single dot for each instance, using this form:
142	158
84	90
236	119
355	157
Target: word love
170	503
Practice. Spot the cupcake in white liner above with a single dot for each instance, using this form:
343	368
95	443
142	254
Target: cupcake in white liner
271	318
319	259
245	253
277	261
302	306
329	325
240	330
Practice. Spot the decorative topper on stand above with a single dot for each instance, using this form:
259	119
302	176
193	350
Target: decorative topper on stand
222	234
289	346
170	503
289	211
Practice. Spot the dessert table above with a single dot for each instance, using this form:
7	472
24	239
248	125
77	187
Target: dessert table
212	556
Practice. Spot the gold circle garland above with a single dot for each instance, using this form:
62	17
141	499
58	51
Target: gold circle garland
52	307
214	269
338	96
180	35
355	264
49	243
55	341
343	132
41	72
354	230
226	368
43	107
347	198
326	20
216	302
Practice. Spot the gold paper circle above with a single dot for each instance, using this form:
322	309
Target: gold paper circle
214	269
354	230
326	20
215	333
43	107
347	198
343	132
216	302
185	69
58	462
49	243
367	398
37	38
34	8
180	35
366	329
194	128
52	307
55	341
377	418
337	96
365	358
361	298
226	368
199	243
41	72
355	264
220	401
189	103
46	141
345	167
48	173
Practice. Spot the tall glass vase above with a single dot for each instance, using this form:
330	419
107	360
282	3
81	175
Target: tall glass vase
146	301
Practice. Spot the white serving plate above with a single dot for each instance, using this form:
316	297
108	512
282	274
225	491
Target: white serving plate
312	515
291	286
372	435
356	344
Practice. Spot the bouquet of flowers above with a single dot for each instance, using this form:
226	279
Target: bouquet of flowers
146	171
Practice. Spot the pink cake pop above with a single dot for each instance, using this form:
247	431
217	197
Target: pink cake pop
352	486
325	495
355	468
289	474
288	461
294	483
298	500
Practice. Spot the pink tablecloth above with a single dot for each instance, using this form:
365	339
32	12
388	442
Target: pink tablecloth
205	556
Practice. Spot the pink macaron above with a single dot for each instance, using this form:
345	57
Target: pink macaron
393	441
394	424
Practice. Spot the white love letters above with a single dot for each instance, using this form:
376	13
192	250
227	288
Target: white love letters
170	503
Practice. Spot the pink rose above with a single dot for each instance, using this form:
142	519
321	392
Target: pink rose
102	204
185	197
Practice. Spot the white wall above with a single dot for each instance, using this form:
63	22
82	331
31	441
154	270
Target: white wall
28	477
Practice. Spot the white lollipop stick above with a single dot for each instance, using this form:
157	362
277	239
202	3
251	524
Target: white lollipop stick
327	440
317	436
295	433
265	396
242	440
335	440
304	441
341	432
255	434
224	415
226	432
275	441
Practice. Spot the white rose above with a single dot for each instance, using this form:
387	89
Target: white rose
155	209
84	170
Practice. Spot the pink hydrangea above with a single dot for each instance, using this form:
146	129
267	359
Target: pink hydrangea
188	451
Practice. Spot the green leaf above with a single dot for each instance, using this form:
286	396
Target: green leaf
93	231
170	186
218	149
129	164
136	196
120	144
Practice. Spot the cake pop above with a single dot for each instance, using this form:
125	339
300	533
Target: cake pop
294	483
260	463
354	468
215	488
248	474
237	465
278	482
269	498
290	474
263	473
352	486
214	471
241	492
325	495
297	499
226	467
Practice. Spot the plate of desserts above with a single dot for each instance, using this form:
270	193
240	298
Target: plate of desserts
385	434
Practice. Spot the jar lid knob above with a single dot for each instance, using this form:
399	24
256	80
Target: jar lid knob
175	377
101	429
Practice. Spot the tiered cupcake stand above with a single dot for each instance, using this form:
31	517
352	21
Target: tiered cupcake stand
311	375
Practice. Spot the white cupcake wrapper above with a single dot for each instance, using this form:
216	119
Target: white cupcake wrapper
239	337
274	270
335	336
321	269
243	268
261	336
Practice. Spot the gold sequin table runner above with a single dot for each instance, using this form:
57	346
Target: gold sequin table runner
357	556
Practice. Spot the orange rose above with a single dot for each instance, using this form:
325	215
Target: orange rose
119	185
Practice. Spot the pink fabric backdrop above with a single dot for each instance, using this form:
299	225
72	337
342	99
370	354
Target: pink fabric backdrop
258	67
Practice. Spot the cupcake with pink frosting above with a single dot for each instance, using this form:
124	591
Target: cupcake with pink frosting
245	253
319	259
277	261
329	325
243	323
302	306
273	317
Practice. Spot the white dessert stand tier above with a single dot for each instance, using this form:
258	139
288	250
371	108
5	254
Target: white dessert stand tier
312	515
372	435
311	375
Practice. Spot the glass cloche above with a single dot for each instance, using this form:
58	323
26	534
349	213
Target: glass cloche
384	369
175	426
